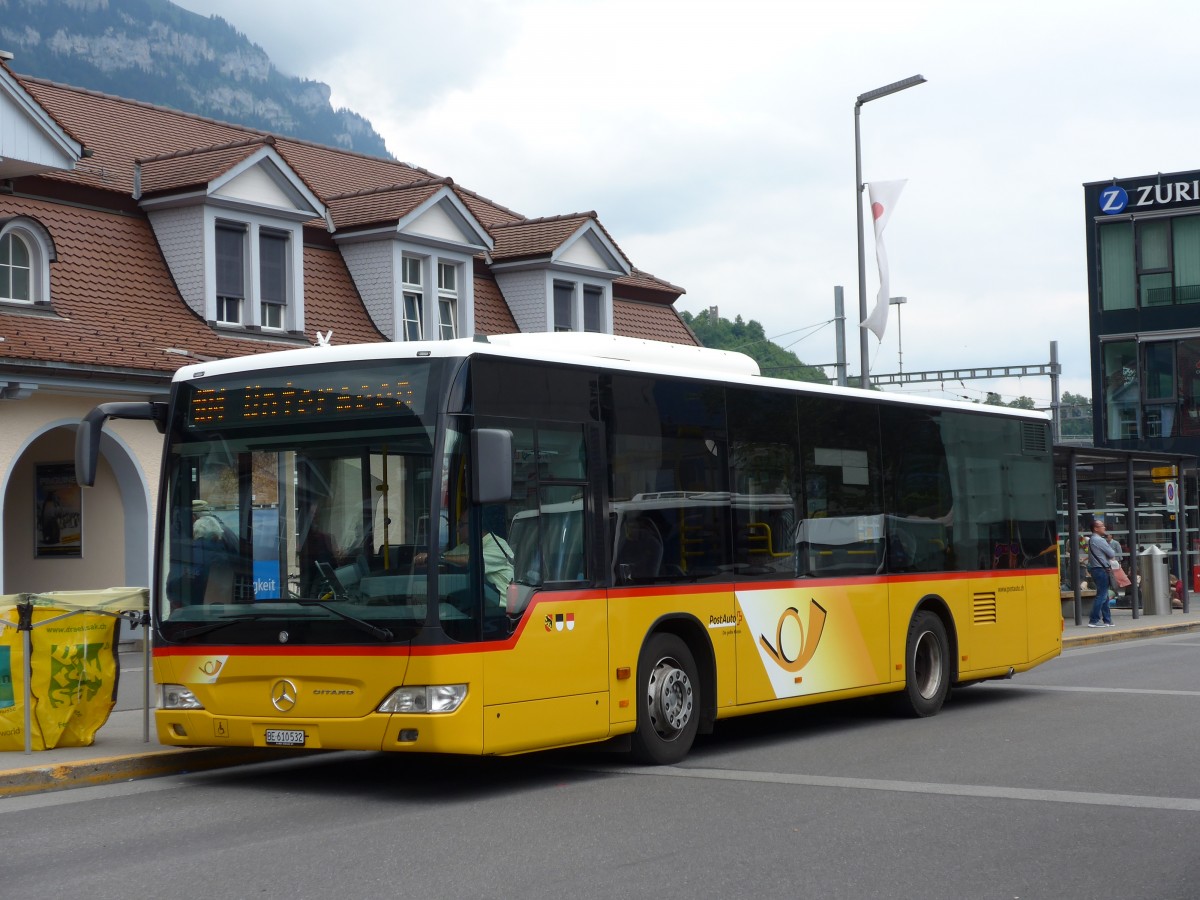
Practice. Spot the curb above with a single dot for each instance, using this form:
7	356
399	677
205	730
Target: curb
1111	636
132	767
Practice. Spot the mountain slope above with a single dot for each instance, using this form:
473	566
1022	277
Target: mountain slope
154	51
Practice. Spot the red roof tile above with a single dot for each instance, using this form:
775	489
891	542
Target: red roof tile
651	320
376	205
536	237
492	315
194	168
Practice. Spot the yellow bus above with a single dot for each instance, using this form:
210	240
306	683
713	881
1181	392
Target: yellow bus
522	542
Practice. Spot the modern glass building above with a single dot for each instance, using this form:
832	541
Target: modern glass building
1143	253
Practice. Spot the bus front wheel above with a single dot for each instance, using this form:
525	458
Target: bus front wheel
927	666
668	713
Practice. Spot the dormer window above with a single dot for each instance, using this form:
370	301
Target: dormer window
16	282
235	248
410	249
558	273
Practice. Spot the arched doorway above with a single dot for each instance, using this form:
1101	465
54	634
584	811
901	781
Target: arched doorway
59	537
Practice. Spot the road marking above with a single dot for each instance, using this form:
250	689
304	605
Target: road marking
1087	798
84	794
1089	689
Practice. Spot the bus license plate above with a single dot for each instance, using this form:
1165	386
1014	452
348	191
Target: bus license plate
281	737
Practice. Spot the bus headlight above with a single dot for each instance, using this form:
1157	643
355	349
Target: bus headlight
428	698
176	696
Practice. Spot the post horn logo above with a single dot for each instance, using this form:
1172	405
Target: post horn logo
283	695
808	642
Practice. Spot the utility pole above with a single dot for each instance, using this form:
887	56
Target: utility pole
839	319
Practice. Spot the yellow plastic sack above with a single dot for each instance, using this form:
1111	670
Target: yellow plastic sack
73	675
73	680
12	680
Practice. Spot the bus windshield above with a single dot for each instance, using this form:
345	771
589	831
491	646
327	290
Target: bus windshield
294	512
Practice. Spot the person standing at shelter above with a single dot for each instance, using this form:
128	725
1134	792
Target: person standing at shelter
1100	556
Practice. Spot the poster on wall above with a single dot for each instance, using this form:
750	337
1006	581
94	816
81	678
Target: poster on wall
58	516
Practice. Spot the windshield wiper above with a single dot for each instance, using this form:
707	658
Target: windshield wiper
224	621
381	634
376	631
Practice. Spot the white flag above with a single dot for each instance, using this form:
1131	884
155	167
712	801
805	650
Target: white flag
884	195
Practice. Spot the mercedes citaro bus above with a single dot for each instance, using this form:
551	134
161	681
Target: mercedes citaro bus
521	542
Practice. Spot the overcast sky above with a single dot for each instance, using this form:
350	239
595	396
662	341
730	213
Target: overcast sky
716	142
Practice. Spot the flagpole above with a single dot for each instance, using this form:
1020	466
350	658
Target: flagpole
865	377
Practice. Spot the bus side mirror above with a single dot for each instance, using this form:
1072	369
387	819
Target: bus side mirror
87	436
491	451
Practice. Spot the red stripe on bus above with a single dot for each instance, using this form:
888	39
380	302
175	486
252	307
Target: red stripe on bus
546	597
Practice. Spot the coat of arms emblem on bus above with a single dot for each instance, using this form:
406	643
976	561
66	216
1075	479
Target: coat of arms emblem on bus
808	641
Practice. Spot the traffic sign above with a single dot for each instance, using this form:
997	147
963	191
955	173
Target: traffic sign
1171	490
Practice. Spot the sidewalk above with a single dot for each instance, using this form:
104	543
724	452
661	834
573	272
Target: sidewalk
121	754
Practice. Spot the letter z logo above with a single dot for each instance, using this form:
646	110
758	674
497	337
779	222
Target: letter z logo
1113	200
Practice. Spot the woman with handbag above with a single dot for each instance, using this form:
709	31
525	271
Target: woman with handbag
1100	559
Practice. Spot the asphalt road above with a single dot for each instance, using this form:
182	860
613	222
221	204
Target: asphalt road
1075	781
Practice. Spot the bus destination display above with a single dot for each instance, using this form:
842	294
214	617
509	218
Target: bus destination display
312	398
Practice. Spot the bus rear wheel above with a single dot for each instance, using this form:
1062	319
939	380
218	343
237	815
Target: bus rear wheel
668	712
926	666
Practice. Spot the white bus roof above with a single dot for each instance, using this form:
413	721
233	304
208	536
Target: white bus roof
602	350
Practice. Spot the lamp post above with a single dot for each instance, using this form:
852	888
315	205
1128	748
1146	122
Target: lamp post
858	189
899	302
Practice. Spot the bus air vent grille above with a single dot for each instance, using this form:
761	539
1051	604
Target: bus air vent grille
1034	437
985	609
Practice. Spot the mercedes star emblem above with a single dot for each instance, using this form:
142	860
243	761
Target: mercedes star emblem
283	695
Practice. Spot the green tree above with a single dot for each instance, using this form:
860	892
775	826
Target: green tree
1075	413
749	338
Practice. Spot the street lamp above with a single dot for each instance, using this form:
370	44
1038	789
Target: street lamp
899	302
858	189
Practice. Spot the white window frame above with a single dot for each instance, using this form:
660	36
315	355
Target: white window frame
412	298
253	314
13	241
580	290
447	300
271	308
36	242
445	311
221	310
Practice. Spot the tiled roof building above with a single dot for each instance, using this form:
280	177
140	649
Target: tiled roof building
135	238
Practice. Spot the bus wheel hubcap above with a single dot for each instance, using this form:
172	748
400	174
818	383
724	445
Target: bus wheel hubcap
929	665
670	698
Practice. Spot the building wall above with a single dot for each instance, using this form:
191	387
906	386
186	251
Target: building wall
526	296
180	234
371	266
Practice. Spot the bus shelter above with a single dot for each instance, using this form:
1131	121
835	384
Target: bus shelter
1146	499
